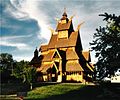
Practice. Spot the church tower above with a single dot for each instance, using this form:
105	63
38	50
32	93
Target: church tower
36	53
64	27
63	58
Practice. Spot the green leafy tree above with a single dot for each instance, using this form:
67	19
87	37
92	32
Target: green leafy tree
30	75
6	62
24	71
106	44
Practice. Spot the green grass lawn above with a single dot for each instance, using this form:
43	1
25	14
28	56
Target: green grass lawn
72	91
67	91
49	91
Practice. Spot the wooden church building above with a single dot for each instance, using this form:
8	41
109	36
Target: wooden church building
63	58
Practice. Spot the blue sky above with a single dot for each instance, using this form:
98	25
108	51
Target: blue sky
25	24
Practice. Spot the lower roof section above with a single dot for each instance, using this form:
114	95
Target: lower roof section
44	67
73	67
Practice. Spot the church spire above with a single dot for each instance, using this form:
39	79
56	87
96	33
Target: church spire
64	16
36	52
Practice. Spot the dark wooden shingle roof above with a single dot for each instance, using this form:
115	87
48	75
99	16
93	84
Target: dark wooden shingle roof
72	67
56	43
86	55
64	26
52	41
70	54
48	57
44	67
43	48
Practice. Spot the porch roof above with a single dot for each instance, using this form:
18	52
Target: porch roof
44	67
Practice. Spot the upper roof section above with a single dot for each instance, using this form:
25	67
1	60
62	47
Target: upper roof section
65	35
64	23
63	26
56	43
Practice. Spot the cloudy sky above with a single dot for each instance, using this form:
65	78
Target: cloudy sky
25	24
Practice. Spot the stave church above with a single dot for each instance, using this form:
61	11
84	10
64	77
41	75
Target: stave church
63	58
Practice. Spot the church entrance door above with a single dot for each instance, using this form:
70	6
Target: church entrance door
54	74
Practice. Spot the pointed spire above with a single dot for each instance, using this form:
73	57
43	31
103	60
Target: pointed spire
64	14
36	52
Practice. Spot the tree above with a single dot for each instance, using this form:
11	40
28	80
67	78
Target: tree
106	44
30	75
6	61
24	71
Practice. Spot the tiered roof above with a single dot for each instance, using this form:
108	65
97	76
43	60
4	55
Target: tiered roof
58	43
72	41
64	26
71	55
73	67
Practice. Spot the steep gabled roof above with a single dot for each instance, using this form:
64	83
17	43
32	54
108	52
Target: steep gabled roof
44	67
73	38
56	43
71	67
43	48
86	55
70	54
36	60
63	26
48	57
52	41
62	43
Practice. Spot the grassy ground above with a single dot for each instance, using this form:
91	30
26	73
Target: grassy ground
70	91
49	91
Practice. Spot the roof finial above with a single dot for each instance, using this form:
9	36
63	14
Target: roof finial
64	9
64	14
72	17
79	25
52	30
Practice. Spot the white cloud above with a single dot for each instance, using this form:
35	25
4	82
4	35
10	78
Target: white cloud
25	9
3	38
14	10
42	11
26	58
20	46
9	41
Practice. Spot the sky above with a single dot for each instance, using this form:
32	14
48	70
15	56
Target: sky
24	24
